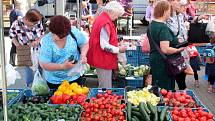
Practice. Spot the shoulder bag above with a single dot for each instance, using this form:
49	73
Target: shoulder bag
23	52
175	64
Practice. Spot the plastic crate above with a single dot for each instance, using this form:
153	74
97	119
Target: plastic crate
193	95
134	81
144	61
94	91
171	119
16	98
133	61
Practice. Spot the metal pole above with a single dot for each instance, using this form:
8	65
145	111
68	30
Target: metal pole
4	90
78	14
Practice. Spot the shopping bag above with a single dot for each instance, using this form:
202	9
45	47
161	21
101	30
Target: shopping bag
78	69
210	28
145	44
39	86
12	75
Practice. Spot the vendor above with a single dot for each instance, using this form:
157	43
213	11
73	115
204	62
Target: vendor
57	46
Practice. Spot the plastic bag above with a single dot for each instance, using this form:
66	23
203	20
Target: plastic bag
78	69
210	28
122	58
39	86
35	58
145	43
12	74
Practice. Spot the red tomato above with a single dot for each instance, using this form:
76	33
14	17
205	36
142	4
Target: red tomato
180	119
175	117
210	120
163	92
109	92
210	116
175	112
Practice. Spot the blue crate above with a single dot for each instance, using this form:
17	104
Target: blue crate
15	99
144	61
131	53
193	95
94	91
133	61
170	116
134	81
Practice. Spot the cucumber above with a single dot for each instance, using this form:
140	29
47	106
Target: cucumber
146	117
137	114
151	107
135	109
135	117
163	113
129	105
146	108
156	115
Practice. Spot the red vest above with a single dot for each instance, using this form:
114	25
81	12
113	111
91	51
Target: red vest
96	56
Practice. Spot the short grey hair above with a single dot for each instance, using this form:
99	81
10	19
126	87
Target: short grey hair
114	6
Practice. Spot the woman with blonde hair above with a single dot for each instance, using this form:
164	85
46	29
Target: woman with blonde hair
167	41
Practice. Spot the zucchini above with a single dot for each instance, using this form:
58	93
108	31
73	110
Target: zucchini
163	113
137	114
155	115
146	117
151	107
146	108
129	110
135	109
135	117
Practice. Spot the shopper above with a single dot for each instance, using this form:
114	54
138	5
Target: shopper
103	43
165	38
149	11
210	66
191	9
195	60
56	48
27	31
177	24
14	15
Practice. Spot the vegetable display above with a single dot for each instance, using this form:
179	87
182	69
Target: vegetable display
42	112
104	107
143	95
190	114
129	70
179	99
146	112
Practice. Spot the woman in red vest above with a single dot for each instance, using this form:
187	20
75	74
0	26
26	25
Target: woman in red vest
103	43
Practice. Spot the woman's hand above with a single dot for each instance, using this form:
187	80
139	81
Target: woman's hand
83	59
122	49
67	65
35	43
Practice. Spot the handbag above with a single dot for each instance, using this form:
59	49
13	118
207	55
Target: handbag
175	64
197	34
24	55
23	52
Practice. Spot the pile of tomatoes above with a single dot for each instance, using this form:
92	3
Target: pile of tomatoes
178	99
104	107
188	114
